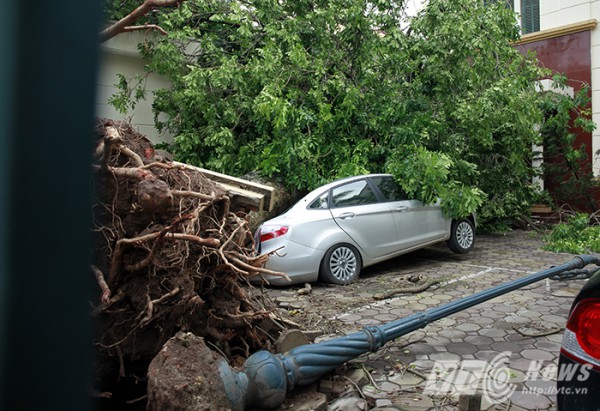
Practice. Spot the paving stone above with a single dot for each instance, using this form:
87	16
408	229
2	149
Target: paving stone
549	346
413	402
350	318
372	393
399	302
383	403
384	318
452	333
555	319
462	348
528	313
420	348
307	401
422	365
486	355
416	306
405	379
492	332
438	341
479	340
485	321
530	401
446	322
517	319
566	292
506	346
538	355
512	376
555	337
444	357
468	327
517	338
348	404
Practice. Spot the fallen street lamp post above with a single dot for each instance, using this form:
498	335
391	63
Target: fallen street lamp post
267	377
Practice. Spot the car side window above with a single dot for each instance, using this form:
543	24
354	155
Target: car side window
389	188
320	202
352	194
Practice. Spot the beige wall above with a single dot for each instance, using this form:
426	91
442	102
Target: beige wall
119	55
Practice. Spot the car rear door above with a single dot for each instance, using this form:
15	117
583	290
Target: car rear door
358	211
416	223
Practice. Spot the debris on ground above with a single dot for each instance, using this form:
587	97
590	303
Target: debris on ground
409	284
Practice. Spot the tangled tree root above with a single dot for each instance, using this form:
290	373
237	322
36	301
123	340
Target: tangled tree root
169	255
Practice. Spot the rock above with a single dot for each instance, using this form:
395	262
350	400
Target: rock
306	290
290	339
184	376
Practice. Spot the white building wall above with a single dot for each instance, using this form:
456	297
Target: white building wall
556	13
119	55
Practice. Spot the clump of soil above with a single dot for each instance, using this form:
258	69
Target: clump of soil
170	255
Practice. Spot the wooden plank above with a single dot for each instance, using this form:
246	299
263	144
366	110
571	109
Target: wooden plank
249	199
255	194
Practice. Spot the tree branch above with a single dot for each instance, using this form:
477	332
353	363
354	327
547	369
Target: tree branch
126	23
145	27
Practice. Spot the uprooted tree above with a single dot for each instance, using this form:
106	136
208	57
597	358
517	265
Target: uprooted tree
170	255
443	100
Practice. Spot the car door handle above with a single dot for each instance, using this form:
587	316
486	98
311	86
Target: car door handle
402	208
343	216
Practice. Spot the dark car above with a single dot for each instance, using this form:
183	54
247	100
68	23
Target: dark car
578	378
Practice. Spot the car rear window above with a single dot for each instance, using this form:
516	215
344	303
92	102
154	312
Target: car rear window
352	194
389	188
320	202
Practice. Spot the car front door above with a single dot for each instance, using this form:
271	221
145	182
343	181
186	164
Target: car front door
357	210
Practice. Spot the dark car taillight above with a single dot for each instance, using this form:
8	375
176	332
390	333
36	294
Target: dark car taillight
270	232
581	340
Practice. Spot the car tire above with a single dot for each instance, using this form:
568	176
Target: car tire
341	264
462	236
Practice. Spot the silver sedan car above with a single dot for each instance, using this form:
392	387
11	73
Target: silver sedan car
344	226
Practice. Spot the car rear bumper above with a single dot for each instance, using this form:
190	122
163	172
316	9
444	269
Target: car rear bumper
300	263
578	386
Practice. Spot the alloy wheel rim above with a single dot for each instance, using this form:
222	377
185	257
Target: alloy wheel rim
343	263
464	235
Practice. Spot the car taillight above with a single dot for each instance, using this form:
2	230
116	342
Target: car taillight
584	323
270	232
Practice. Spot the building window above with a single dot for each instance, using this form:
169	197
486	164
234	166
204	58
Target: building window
509	3
530	16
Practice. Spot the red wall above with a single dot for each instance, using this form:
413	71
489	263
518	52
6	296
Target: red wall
570	55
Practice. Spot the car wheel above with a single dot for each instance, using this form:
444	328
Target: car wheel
462	236
341	264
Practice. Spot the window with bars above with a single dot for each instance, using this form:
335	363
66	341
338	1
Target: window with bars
530	16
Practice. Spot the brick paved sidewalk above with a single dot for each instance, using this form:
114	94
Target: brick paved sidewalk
510	343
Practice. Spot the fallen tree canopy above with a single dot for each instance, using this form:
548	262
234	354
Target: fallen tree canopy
170	255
